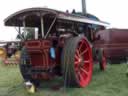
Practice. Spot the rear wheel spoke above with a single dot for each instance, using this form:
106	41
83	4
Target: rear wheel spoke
86	61
77	53
84	71
80	46
80	76
76	57
76	62
84	52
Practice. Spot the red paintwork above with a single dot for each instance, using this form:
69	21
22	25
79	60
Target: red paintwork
83	63
40	58
39	53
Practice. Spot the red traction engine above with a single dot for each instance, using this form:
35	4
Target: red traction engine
57	43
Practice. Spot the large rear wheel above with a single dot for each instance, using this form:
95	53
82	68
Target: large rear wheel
25	65
77	62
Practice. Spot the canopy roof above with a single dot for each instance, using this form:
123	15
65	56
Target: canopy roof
17	18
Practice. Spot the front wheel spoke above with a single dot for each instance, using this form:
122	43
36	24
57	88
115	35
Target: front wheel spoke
83	70
104	59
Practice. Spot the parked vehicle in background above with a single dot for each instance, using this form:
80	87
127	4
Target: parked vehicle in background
115	44
10	51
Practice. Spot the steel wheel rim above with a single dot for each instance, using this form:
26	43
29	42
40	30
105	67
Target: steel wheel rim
83	63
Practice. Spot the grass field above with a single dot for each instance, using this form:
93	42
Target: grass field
112	82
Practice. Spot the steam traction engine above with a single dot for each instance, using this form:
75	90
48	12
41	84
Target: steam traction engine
57	43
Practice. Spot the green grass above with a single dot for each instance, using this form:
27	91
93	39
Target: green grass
112	82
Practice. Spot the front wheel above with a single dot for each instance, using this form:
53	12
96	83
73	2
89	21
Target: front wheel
77	62
102	59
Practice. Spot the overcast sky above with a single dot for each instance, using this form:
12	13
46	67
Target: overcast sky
112	11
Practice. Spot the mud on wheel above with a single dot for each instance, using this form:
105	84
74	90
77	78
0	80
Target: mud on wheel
77	62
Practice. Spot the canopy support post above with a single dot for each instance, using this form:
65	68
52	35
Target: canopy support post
42	26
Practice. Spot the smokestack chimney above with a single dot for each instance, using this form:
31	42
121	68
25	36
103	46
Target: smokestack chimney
84	7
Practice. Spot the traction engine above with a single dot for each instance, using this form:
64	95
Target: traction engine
57	43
